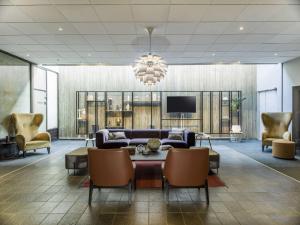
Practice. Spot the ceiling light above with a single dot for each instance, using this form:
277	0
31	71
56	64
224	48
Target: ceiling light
241	28
213	54
150	69
276	54
27	55
60	29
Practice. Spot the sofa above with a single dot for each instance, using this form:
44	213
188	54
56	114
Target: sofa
139	136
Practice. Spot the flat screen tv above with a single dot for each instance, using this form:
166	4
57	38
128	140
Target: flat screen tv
181	104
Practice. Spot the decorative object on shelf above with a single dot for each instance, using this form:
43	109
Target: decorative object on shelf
153	144
150	69
236	103
127	107
118	122
90	98
118	108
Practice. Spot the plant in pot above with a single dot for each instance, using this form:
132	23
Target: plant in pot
235	104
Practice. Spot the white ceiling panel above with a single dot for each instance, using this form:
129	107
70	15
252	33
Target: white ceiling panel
36	48
58	48
47	39
79	48
16	40
151	13
123	39
230	38
258	12
59	28
180	28
12	48
222	12
104	48
98	39
120	28
43	13
187	13
78	13
13	14
114	13
30	28
211	27
6	29
90	28
68	54
202	39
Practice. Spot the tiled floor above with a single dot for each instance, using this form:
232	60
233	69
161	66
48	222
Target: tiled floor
43	193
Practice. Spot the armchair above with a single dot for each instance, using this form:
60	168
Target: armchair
276	127
27	135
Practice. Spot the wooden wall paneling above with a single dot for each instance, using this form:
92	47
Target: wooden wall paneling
179	78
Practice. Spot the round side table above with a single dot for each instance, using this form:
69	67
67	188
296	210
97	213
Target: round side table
283	149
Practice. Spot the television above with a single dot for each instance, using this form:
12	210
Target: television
181	104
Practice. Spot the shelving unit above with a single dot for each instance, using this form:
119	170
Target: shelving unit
141	110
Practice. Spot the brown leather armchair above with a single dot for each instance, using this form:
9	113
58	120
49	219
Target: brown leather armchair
276	127
110	168
28	137
187	168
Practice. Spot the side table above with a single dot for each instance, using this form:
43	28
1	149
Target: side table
90	140
203	136
8	150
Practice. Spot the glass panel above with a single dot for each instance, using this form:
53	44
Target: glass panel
40	106
39	78
100	104
206	112
114	110
127	109
155	110
216	112
91	111
235	108
225	112
52	113
81	113
141	110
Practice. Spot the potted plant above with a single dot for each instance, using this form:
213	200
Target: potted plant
236	103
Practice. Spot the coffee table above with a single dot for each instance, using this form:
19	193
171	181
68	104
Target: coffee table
156	156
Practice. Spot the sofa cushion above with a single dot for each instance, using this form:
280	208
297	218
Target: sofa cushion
30	145
126	131
174	143
175	135
116	143
164	133
147	133
138	141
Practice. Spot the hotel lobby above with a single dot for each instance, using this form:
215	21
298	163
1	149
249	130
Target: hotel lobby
139	112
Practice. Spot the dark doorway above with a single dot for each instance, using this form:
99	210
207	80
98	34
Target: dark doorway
296	115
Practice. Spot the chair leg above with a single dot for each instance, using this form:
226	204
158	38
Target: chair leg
262	148
167	191
206	192
91	192
24	154
48	150
129	192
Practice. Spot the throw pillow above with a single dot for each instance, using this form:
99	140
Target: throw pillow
175	136
119	135
111	136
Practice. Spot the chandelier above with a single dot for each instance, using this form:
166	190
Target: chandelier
150	69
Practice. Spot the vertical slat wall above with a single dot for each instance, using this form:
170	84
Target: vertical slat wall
179	78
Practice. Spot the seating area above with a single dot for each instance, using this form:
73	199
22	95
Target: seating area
130	112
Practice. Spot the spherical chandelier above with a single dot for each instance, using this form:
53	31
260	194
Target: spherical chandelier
150	69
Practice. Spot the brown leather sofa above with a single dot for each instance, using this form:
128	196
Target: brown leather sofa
28	137
110	168
186	168
276	127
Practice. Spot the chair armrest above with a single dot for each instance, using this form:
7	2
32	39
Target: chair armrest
43	136
20	140
287	136
101	137
189	138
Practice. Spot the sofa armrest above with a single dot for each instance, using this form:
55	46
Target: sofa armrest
101	138
264	135
43	136
20	139
287	136
189	138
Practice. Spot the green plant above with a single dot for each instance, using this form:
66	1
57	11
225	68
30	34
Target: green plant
236	103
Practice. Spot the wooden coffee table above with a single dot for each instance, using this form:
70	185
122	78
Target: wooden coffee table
77	159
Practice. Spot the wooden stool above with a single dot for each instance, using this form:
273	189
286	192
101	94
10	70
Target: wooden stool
283	149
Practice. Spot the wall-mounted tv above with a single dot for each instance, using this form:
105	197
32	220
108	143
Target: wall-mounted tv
181	104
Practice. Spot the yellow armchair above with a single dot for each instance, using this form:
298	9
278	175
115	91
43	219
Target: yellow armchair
27	135
276	127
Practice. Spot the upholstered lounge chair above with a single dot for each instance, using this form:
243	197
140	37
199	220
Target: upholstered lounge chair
27	135
186	168
276	127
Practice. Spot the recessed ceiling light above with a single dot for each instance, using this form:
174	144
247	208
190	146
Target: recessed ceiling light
213	54
89	54
241	28
60	29
276	54
27	55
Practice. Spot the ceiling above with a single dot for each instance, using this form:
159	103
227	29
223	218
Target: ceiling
186	31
